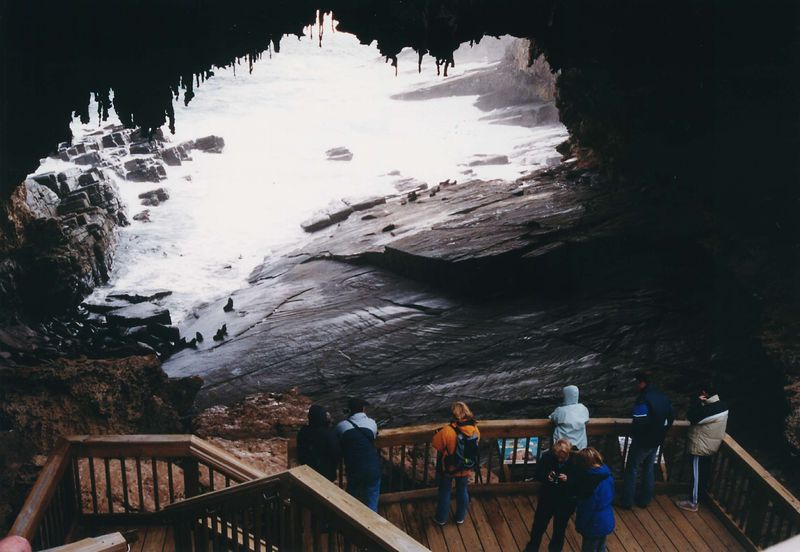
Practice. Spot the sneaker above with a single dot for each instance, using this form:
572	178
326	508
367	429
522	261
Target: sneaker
439	523
460	521
687	505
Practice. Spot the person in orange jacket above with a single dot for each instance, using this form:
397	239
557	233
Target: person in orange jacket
458	444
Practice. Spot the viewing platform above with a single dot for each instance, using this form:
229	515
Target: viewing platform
165	493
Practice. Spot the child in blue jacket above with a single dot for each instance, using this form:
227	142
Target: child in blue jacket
594	518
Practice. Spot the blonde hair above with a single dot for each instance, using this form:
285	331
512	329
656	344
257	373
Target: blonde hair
461	411
589	457
562	444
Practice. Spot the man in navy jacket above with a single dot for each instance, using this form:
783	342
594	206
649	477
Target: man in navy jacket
653	415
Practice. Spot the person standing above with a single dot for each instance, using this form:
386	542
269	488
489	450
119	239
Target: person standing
318	444
556	496
458	444
594	518
357	436
653	415
570	419
709	418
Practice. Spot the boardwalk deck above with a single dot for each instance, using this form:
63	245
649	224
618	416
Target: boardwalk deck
502	523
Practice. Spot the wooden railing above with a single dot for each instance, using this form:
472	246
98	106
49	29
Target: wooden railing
128	478
409	460
294	511
749	499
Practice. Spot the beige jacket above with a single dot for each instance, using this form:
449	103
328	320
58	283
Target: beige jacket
709	421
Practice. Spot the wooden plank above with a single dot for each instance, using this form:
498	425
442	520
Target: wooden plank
635	527
681	533
723	533
533	502
482	527
169	540
625	535
655	531
519	528
155	539
498	524
469	536
414	525
394	513
141	537
707	533
222	461
434	534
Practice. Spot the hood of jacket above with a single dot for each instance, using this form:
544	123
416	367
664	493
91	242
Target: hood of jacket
317	416
571	395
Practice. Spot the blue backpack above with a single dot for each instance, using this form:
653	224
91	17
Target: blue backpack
465	456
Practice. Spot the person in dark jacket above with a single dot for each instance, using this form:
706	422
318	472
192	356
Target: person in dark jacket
594	517
317	443
357	436
653	415
555	472
708	415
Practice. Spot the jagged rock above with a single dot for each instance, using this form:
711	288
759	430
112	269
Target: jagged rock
198	337
104	307
339	154
485	159
315	223
144	170
229	305
364	204
136	297
167	333
50	181
41	200
91	158
73	206
143	148
209	144
139	315
143	216
171	157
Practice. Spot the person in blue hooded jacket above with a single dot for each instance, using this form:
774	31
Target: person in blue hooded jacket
594	516
570	419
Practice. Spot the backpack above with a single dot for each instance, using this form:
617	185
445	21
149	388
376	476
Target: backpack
465	456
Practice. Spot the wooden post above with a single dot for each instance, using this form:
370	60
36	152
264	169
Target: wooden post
757	507
191	477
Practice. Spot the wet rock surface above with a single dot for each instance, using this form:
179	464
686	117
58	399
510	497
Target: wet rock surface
459	300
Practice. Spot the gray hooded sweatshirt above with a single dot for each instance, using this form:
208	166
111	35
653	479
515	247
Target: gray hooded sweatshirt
570	419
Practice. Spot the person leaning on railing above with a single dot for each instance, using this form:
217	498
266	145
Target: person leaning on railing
357	437
653	415
709	418
458	443
570	419
318	444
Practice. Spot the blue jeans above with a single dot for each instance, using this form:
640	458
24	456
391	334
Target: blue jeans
367	489
594	544
639	457
462	497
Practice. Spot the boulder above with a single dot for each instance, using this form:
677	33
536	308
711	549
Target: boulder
139	315
210	144
154	197
369	203
48	179
482	159
339	154
144	216
315	223
143	148
171	157
72	206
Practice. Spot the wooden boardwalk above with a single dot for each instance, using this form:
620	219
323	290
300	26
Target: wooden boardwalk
503	523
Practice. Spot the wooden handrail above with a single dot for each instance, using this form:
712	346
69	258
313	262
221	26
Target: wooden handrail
113	542
215	497
30	516
352	511
223	461
495	429
115	446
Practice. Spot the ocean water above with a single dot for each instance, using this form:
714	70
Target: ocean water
229	211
